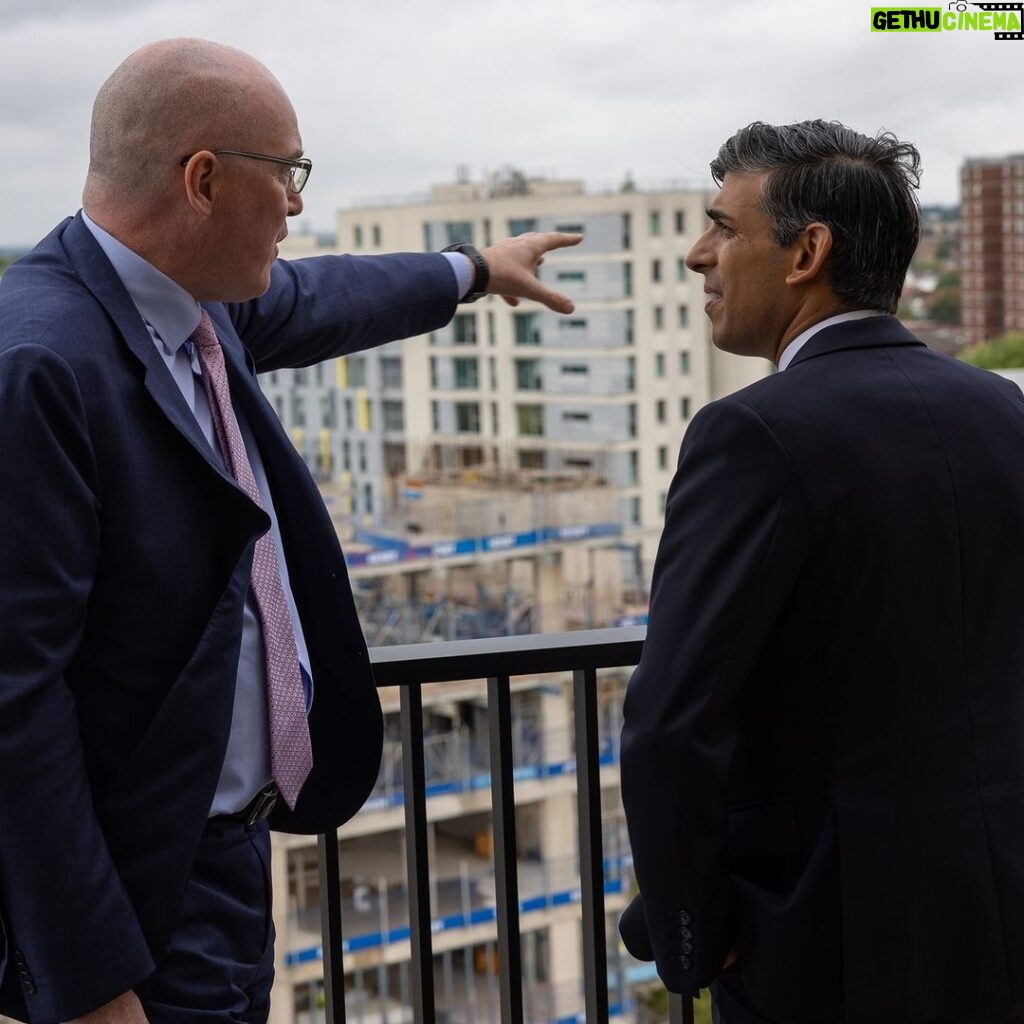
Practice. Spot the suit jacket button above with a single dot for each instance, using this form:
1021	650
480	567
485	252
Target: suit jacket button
684	917
685	962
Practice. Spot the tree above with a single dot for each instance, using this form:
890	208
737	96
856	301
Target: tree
1003	353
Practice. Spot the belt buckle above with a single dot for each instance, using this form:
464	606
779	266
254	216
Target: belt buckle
262	805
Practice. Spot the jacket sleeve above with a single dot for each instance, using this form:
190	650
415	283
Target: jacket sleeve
735	539
73	938
329	306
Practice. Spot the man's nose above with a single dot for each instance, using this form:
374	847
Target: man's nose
294	204
699	255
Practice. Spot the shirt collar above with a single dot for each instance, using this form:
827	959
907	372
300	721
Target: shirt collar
790	351
171	313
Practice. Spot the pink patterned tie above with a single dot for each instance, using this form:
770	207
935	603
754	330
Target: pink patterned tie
291	755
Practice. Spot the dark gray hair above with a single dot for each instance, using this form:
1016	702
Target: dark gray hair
862	188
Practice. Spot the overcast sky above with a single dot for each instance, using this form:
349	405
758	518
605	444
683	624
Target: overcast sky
393	95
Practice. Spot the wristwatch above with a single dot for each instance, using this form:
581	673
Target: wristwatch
481	272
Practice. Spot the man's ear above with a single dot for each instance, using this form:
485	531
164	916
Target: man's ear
809	253
201	180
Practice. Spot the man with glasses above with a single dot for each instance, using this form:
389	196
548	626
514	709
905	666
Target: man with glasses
180	660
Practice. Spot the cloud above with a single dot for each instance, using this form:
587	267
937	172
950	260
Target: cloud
394	95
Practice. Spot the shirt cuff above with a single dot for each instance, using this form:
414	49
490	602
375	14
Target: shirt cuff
464	271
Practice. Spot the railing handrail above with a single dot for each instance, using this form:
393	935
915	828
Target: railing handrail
497	660
455	660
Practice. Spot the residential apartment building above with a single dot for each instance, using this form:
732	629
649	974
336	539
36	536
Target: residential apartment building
992	246
602	395
571	425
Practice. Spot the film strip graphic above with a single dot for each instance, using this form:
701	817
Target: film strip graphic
1018	7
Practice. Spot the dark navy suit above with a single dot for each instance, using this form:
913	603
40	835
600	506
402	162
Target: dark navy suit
823	751
124	559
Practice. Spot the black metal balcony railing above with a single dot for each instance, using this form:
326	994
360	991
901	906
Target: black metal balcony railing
496	660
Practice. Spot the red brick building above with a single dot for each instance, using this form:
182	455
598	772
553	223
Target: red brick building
992	246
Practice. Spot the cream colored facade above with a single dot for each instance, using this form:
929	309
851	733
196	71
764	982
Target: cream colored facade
603	394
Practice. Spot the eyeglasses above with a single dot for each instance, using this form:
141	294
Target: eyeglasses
300	168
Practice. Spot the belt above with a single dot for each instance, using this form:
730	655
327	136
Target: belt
258	808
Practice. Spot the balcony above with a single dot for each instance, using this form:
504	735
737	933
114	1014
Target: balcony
504	891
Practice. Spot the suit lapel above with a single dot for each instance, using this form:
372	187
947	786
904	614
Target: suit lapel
93	267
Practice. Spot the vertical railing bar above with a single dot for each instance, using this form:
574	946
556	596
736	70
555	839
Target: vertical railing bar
417	855
588	804
680	1009
330	928
510	973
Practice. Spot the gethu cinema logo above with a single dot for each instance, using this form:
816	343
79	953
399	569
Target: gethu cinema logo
994	18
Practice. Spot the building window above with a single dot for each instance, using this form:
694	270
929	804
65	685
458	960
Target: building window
680	222
631	427
492	368
575	369
391	373
368	499
361	450
356	371
393	415
684	362
681	268
300	377
627	233
659	317
629	327
570	228
532	459
527	328
684	316
634	511
528	377
575	416
376	236
433	372
349	417
464	328
328	415
459	231
663	456
467	373
627	280
571	275
435	416
494	421
572	323
660	410
654	223
467	417
298	410
656	271
530	420
490	328
357	236
659	364
634	467
684	408
521	225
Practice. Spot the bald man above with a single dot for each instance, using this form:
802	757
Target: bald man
144	475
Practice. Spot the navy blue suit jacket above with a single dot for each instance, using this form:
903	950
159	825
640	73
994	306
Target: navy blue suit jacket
823	750
124	558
